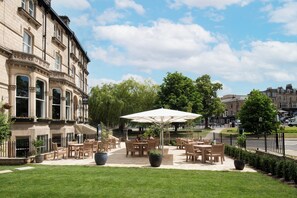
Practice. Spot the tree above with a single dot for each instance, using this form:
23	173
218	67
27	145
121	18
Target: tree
5	124
211	104
258	114
178	92
104	106
110	101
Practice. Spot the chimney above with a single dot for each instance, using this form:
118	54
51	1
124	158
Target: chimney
48	2
65	19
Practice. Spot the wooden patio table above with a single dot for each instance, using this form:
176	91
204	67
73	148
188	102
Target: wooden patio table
203	148
141	145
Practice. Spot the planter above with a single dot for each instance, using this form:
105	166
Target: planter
239	164
155	160
101	158
39	158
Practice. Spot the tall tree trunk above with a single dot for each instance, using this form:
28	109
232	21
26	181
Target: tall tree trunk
206	123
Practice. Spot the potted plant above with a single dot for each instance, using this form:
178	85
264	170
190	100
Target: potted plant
37	144
155	158
101	154
238	162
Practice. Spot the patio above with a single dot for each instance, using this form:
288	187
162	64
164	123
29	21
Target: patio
175	159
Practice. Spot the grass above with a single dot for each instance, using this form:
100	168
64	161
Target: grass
95	181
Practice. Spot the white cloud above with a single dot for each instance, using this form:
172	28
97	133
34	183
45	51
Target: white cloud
125	4
109	16
78	4
94	82
214	16
217	4
187	19
189	47
82	20
286	15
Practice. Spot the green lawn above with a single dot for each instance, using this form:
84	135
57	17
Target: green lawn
97	181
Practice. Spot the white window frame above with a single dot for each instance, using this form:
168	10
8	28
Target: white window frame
27	43
54	104
58	62
23	97
42	101
68	106
58	32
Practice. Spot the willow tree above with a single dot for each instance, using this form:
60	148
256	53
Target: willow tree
110	101
211	103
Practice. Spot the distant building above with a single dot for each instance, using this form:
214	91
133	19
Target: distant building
283	99
44	70
233	104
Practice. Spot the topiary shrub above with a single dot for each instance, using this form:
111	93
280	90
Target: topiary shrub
272	166
279	168
265	163
286	170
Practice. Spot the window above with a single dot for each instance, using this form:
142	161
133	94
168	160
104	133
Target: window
29	6
68	105
22	96
56	106
40	103
58	62
27	43
58	32
73	71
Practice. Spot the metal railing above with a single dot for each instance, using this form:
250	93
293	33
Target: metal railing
268	143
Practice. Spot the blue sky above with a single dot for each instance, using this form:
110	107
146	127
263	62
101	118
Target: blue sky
243	44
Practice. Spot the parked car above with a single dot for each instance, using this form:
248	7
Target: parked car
292	121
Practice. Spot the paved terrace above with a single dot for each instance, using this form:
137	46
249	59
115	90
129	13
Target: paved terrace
175	159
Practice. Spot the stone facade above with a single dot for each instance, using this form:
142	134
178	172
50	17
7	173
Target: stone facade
233	104
283	98
43	71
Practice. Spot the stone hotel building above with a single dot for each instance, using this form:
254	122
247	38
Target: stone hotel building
43	78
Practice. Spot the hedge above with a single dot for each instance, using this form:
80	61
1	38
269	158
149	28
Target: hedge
280	167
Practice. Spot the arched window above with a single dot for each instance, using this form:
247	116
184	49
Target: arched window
56	106
40	103
68	105
22	96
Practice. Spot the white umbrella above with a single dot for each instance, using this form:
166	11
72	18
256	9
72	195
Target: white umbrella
161	117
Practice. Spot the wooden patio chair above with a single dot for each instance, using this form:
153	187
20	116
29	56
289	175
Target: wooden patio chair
131	148
179	143
87	148
58	151
103	146
151	144
191	152
95	146
216	151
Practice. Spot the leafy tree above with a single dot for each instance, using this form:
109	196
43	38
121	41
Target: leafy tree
104	106
178	92
211	104
4	127
109	102
258	114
